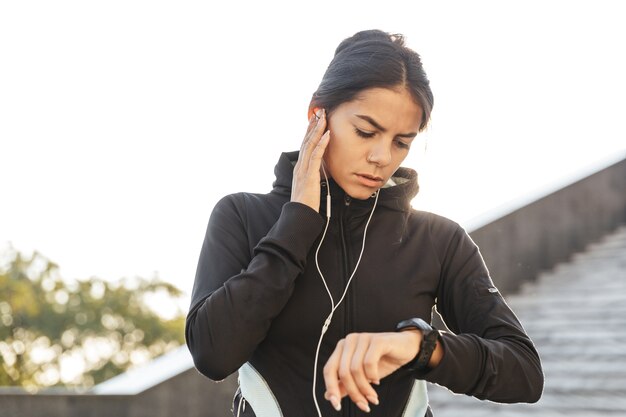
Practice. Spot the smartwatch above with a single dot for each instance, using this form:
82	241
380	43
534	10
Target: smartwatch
430	336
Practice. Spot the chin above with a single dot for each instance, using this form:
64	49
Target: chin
354	189
361	193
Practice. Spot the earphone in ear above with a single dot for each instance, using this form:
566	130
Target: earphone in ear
314	111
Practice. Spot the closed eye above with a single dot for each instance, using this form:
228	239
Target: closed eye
367	135
364	134
402	145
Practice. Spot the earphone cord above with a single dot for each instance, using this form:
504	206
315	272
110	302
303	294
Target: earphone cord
345	291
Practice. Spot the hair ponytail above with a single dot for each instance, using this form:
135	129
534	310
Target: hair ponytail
370	59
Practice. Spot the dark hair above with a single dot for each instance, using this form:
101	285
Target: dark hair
369	59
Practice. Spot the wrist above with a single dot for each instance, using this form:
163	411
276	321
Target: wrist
430	351
413	342
437	355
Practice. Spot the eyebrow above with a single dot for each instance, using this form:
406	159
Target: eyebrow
382	129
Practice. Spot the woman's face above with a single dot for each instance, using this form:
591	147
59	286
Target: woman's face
369	138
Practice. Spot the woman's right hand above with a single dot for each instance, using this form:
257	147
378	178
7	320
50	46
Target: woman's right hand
305	187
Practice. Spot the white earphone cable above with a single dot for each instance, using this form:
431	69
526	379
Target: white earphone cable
323	236
345	291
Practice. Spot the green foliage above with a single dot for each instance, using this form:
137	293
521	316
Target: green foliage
76	334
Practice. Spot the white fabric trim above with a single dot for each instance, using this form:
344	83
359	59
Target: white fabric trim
257	392
418	400
390	183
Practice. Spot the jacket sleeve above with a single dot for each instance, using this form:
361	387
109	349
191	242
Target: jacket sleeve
489	356
237	293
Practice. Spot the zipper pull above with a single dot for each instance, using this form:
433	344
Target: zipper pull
347	200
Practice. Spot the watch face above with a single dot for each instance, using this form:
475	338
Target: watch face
422	325
417	323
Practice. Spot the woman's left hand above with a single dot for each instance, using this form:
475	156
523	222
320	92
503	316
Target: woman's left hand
362	359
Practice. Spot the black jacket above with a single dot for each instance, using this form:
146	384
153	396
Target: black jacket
258	297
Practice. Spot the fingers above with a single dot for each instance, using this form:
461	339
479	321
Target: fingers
316	127
312	124
371	361
345	371
362	359
331	379
313	121
356	372
315	161
348	379
306	174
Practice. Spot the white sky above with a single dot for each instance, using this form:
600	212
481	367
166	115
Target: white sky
123	122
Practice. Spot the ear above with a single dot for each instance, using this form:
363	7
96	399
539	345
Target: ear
312	110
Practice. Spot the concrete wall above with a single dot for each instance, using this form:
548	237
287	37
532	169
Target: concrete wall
549	230
188	394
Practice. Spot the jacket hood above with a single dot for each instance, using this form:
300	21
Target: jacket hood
395	197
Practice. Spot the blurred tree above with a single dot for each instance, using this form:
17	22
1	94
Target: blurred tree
54	332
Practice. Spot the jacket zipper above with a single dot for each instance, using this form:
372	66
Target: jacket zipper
349	410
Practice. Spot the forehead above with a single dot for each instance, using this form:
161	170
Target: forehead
393	109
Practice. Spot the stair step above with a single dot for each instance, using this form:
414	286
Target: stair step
576	316
591	403
572	287
551	300
602	351
584	311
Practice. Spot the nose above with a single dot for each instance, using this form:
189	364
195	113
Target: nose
380	154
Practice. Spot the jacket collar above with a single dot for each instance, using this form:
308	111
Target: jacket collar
397	197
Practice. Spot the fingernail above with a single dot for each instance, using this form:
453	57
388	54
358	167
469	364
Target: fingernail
319	113
363	406
373	399
335	402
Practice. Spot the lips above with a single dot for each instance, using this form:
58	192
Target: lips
369	180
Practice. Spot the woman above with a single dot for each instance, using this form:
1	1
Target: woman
320	292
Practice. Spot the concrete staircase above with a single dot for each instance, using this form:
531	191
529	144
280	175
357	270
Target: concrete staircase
576	315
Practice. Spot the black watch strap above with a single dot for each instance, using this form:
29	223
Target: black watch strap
428	345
